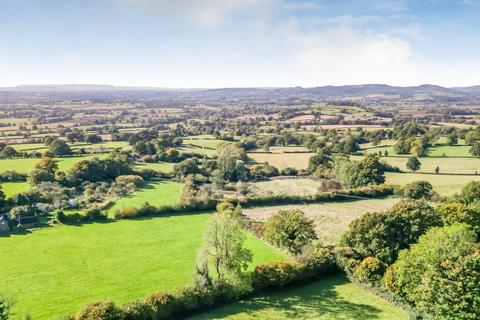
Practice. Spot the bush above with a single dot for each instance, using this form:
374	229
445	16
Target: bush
328	185
162	305
94	214
276	275
126	213
104	310
319	260
126	179
290	229
470	193
136	310
288	171
452	213
370	270
418	190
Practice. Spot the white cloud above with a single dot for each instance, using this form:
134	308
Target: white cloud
344	54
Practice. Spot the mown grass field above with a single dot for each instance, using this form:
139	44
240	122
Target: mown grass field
25	165
300	187
331	219
283	160
55	271
449	151
328	299
428	165
445	185
12	188
155	193
157	166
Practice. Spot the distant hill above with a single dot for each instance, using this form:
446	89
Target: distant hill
474	90
365	93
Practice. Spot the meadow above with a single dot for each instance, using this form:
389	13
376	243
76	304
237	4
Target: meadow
331	219
25	165
282	160
444	185
327	299
299	187
55	270
157	166
155	193
446	165
12	188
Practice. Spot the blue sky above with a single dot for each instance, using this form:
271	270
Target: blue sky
234	43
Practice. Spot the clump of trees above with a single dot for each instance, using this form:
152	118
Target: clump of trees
440	275
290	230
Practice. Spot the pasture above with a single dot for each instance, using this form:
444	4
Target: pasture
54	271
157	166
12	188
282	160
331	219
445	185
330	298
25	165
447	165
155	193
298	187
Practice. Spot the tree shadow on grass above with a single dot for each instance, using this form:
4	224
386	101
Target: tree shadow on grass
318	300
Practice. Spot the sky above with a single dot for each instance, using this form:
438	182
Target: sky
239	43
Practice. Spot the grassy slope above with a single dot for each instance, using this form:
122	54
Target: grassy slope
156	194
56	270
12	188
331	298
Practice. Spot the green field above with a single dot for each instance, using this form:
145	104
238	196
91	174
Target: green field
331	298
428	165
54	271
445	185
12	188
157	166
155	193
25	165
282	160
449	151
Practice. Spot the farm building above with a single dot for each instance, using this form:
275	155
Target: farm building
4	227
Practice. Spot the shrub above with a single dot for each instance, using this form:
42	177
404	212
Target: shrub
328	185
94	214
288	171
126	213
290	229
162	305
418	190
370	270
470	193
136	310
452	213
126	179
319	260
276	274
104	310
